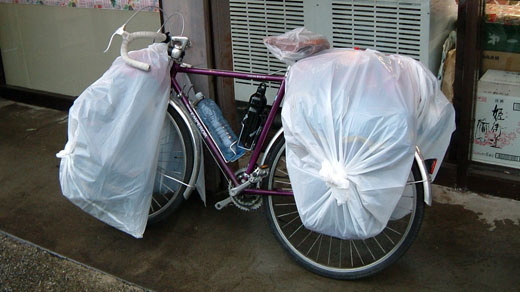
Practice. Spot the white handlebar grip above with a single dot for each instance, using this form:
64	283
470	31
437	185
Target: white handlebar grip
129	37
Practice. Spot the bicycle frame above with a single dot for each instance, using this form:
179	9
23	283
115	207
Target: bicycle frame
213	148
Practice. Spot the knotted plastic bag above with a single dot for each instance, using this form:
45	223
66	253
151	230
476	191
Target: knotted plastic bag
352	120
109	162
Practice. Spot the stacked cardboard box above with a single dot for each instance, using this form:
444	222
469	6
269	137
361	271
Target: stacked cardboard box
501	37
497	119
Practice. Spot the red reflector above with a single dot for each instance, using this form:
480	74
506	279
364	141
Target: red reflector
356	48
433	166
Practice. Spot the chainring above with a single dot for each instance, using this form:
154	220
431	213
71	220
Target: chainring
245	202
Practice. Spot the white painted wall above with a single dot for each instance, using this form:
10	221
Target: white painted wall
60	49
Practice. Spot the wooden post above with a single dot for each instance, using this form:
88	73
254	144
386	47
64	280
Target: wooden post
197	28
223	59
466	77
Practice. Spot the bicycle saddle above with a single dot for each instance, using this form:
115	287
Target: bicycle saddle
296	44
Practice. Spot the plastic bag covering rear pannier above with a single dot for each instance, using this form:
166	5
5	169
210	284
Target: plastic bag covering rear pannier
109	162
352	120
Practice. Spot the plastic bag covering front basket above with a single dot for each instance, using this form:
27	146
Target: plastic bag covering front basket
109	162
352	120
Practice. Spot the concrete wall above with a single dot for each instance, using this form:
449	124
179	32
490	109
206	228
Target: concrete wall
60	49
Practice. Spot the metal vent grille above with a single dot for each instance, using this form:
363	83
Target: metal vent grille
251	21
393	27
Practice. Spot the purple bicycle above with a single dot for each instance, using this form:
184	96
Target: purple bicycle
265	180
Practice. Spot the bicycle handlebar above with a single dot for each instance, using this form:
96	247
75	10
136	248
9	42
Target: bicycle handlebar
129	37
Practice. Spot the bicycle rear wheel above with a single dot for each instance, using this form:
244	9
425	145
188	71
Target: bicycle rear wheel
175	163
333	257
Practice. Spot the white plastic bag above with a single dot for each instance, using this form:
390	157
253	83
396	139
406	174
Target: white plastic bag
296	44
109	162
351	120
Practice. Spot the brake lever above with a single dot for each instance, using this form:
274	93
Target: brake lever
118	31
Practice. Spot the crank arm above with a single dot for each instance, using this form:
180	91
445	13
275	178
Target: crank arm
220	205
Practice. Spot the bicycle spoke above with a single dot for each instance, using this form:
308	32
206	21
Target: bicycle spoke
161	183
296	231
170	189
351	255
153	199
298	216
173	171
359	255
319	247
282	182
282	172
163	196
398	233
305	238
379	245
165	172
286	204
286	214
369	250
414	182
313	244
330	248
174	179
388	237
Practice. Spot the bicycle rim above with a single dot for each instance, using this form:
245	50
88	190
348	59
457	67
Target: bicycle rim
333	257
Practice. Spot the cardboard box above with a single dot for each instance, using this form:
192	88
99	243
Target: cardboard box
500	61
501	37
496	138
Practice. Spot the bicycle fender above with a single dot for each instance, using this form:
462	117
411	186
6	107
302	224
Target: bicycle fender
197	179
425	176
270	145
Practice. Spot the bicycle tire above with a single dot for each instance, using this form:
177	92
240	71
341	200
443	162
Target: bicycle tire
309	257
168	195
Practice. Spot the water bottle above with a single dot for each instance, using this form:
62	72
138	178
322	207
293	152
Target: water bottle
219	129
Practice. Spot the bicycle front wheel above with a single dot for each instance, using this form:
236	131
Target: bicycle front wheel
333	257
175	165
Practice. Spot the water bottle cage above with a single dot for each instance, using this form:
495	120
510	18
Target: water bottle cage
248	137
253	119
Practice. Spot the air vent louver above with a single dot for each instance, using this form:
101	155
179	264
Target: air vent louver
387	26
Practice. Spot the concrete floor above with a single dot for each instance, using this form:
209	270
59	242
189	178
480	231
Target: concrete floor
467	242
